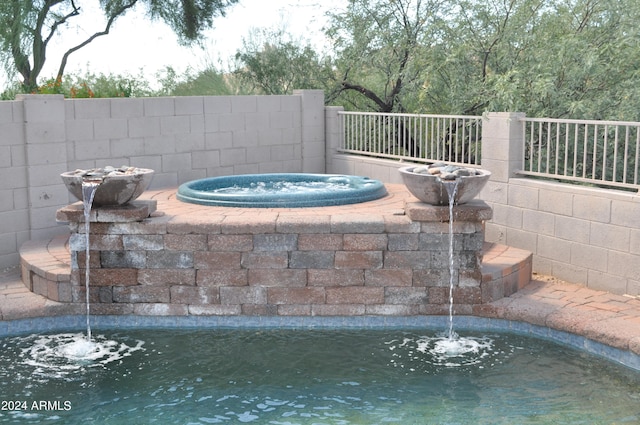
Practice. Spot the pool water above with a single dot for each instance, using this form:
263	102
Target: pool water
188	376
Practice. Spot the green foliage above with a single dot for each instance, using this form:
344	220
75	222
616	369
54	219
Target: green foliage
381	48
209	82
188	18
270	62
10	92
563	58
27	27
554	58
89	85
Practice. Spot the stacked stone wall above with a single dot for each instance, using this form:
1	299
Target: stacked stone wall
346	264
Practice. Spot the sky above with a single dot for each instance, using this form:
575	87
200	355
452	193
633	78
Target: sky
136	45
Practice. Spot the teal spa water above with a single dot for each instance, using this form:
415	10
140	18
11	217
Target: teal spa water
281	190
390	376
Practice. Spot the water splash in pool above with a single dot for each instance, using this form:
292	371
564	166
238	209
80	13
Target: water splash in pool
62	356
415	353
451	349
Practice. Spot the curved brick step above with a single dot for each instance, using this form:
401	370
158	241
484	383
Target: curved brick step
505	269
46	268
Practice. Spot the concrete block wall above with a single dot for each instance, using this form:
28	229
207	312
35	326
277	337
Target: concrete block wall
181	138
580	234
14	202
186	138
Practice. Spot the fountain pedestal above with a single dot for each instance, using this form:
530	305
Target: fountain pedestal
134	211
472	212
468	241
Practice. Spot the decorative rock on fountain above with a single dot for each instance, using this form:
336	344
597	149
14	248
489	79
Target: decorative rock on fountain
383	257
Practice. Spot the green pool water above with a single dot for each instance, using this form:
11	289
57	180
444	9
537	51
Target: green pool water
184	376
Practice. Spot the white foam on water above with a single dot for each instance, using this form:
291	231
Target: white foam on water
81	349
459	347
62	355
455	351
285	187
442	350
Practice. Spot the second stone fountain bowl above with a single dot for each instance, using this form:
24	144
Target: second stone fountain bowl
431	189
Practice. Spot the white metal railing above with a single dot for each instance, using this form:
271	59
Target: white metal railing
604	153
415	137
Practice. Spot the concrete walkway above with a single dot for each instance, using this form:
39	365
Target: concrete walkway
610	319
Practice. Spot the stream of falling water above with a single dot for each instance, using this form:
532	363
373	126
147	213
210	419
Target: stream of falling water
89	188
450	349
452	188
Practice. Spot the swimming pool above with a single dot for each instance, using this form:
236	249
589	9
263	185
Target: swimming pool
317	370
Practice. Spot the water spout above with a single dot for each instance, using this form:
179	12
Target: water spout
89	188
452	187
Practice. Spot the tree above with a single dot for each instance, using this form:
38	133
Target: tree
482	42
380	50
271	62
208	82
28	26
552	58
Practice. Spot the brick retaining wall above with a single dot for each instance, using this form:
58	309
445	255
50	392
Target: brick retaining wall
335	261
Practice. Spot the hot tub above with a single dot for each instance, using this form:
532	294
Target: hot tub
281	190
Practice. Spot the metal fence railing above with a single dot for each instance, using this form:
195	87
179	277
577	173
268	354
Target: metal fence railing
416	137
603	153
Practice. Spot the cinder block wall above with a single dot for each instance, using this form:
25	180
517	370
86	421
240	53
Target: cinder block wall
14	202
181	138
579	234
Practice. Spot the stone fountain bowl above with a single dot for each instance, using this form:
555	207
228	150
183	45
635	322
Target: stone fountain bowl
115	188
431	189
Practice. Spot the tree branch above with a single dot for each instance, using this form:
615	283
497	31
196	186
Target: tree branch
368	94
20	58
40	45
114	15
